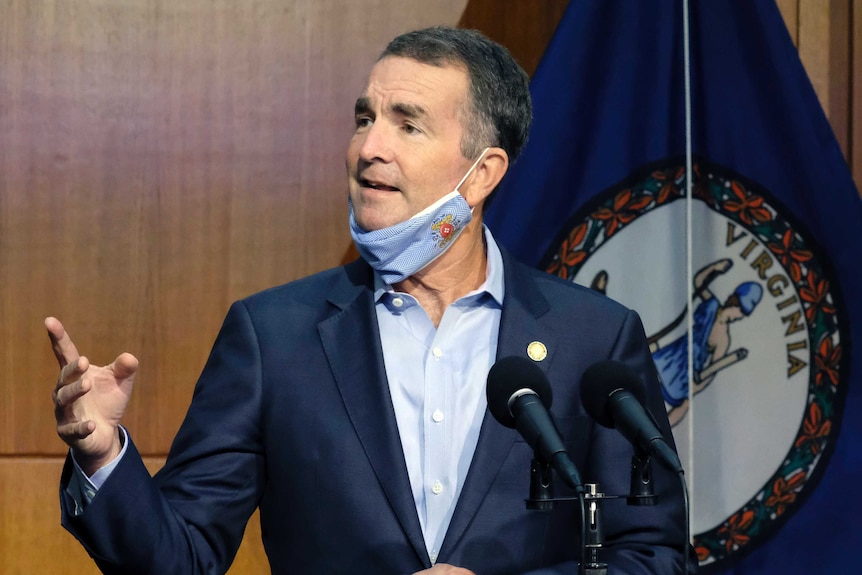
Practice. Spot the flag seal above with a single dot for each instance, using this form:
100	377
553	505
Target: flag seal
771	338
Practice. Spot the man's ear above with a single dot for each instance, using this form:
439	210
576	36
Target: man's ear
485	177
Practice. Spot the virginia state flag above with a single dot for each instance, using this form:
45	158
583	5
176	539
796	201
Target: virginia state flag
769	422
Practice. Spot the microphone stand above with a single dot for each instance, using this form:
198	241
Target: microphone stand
595	536
641	493
592	536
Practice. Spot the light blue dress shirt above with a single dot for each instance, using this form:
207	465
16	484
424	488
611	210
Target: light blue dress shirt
437	383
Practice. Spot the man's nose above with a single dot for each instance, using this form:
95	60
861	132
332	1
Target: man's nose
376	144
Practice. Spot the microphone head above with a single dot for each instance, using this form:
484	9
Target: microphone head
603	379
509	375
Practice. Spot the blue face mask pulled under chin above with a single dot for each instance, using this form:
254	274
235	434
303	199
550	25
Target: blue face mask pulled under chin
399	251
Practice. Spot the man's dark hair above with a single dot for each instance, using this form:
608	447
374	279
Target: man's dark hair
501	111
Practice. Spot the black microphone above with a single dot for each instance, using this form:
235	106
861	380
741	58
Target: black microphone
519	396
613	395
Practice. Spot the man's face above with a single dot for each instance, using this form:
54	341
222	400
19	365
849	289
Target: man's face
406	151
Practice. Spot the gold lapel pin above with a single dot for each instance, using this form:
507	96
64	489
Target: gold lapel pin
537	351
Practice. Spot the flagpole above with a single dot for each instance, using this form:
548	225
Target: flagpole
689	268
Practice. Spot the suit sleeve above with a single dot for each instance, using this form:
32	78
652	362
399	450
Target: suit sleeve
191	516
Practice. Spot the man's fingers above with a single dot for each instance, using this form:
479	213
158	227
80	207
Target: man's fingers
64	350
67	394
71	432
73	371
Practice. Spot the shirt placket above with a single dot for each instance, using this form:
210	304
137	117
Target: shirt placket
437	477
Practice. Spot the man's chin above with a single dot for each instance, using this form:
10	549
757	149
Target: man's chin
371	220
370	224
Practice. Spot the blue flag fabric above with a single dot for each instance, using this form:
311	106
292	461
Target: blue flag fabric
598	198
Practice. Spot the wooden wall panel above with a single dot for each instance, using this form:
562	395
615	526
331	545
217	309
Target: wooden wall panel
824	48
790	12
525	28
840	73
159	159
812	43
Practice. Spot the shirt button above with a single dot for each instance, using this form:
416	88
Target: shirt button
438	353
437	488
433	556
437	415
397	302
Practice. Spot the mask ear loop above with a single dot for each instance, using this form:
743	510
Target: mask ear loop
470	171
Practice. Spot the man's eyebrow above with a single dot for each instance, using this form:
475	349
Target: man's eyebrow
362	106
412	111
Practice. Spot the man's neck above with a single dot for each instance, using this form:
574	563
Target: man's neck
460	270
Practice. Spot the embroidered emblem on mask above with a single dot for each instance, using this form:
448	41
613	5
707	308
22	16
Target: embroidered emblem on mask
443	229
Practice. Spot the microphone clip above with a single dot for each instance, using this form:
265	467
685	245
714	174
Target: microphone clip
541	486
641	490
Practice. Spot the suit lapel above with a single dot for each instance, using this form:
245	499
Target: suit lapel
523	306
352	345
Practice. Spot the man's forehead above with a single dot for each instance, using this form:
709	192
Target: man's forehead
413	80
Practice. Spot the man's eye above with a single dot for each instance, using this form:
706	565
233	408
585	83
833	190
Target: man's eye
362	121
411	129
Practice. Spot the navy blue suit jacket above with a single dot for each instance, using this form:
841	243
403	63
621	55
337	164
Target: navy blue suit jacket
292	414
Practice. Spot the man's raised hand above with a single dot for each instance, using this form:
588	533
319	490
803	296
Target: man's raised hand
89	401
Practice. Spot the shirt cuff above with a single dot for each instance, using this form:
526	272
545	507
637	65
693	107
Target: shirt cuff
90	485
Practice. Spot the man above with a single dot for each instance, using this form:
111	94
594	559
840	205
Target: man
349	405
